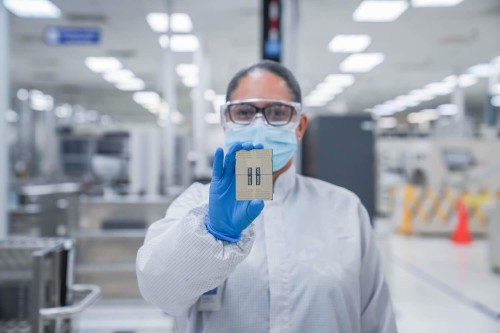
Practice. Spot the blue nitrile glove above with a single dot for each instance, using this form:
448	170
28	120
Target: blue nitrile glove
227	218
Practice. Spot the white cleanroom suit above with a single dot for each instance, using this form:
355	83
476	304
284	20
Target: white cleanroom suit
308	263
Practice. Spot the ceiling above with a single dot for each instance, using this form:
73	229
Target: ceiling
424	45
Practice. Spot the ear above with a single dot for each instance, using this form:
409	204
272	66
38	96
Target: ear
301	129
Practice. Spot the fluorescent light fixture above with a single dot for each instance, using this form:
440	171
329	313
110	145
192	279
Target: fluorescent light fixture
318	98
435	3
218	101
439	88
185	70
447	109
495	101
181	23
163	41
190	81
349	43
328	88
422	95
341	80
212	118
158	22
23	94
118	76
103	64
40	102
396	105
384	110
430	114
311	103
64	111
11	116
379	11
408	100
177	118
467	80
481	70
131	85
361	62
209	95
33	8
387	122
184	43
146	98
495	89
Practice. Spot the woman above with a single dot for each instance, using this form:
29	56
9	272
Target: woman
304	262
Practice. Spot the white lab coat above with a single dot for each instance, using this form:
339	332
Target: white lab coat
308	263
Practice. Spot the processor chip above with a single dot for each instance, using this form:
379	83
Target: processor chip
254	174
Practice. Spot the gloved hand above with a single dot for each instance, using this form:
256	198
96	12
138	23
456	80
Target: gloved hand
227	218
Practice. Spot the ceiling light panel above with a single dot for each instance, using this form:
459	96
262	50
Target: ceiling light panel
163	41
187	70
158	22
134	84
379	11
33	8
118	76
349	43
481	70
103	64
341	80
361	62
181	23
184	43
435	3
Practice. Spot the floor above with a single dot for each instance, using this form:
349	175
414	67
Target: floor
436	287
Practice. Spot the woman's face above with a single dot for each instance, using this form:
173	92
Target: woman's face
264	84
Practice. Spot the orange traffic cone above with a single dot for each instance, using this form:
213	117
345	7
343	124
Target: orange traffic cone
461	235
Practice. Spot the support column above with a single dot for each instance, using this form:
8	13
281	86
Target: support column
4	106
200	109
169	93
290	27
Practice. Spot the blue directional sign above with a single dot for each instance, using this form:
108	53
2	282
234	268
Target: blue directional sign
54	35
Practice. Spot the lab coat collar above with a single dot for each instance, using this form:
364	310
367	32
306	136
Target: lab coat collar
284	184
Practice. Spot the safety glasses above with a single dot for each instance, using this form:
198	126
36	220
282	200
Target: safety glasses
277	113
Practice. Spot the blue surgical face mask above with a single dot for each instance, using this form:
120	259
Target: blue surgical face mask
283	142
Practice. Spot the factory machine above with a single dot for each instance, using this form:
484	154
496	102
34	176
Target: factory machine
36	286
438	172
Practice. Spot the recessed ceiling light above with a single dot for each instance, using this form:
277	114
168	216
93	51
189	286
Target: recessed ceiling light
158	21
495	101
435	3
163	41
181	23
184	70
209	94
495	89
103	64
447	109
361	62
328	87
131	85
33	8
422	94
439	88
379	11
190	81
146	98
184	43
349	43
118	76
384	110
481	70
467	80
341	80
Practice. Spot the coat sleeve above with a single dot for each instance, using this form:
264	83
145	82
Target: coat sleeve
180	260
377	315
